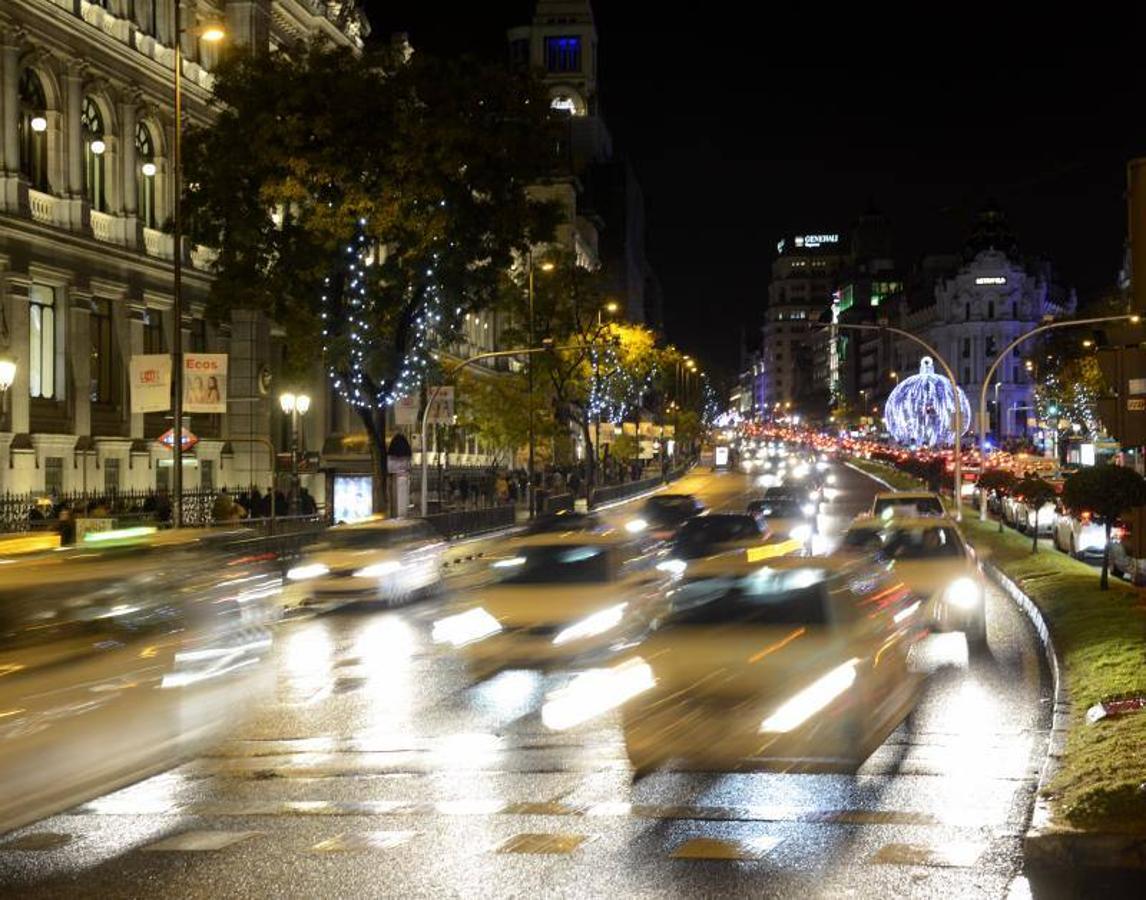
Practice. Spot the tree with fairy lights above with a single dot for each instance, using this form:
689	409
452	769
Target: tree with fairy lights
366	204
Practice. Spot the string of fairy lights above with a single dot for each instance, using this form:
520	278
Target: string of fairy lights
614	391
1075	401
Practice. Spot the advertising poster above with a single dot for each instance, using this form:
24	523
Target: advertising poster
442	407
204	382
406	410
150	376
353	497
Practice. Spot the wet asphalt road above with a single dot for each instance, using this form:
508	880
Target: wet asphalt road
375	769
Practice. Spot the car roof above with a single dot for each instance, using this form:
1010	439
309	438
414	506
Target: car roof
744	562
903	522
611	538
901	495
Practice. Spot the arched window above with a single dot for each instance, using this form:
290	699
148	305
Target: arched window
32	128
94	149
145	175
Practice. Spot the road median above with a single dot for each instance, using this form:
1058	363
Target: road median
1091	806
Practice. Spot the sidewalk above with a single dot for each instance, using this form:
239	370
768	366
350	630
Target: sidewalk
1091	809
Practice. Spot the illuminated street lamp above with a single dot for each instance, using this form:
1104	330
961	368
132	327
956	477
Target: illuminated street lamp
295	406
212	33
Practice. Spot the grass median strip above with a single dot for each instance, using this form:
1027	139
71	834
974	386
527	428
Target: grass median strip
1101	641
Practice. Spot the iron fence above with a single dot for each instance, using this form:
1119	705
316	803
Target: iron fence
461	522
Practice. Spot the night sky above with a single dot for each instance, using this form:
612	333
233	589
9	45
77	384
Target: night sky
742	129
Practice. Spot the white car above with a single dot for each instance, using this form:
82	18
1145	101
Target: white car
899	503
559	600
1082	536
389	561
934	560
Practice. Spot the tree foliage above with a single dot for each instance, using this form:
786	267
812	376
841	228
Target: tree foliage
427	160
1108	492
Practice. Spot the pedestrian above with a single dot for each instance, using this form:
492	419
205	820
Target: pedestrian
501	488
307	503
66	526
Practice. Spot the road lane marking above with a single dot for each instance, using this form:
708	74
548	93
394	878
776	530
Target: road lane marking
950	854
548	844
38	841
362	841
715	848
198	841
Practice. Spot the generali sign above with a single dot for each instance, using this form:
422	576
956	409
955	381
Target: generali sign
150	376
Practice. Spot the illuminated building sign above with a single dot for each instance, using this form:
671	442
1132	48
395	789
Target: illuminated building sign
816	240
990	279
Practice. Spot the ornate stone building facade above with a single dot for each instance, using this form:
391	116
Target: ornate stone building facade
86	197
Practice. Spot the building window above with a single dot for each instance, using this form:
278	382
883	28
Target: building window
563	54
967	312
1014	309
32	131
95	149
111	475
990	309
1020	418
519	53
1016	353
197	340
154	340
145	175
207	474
42	341
147	16
966	348
990	348
966	374
163	479
104	371
1015	375
54	474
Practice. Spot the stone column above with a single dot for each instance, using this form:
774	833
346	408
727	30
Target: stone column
10	105
127	142
73	130
79	349
132	326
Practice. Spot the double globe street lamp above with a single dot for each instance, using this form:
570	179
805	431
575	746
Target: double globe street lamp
296	406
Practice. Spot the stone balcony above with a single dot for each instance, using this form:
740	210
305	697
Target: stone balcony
42	207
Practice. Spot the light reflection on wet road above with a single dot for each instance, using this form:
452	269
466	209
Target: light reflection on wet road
376	769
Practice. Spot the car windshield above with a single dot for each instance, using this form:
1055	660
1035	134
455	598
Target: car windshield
863	539
918	505
714	529
930	542
766	598
559	563
779	507
372	538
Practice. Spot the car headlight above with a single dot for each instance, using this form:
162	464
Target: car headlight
636	526
598	623
821	465
465	628
672	566
302	573
964	593
831	479
378	570
808	509
795	711
801	533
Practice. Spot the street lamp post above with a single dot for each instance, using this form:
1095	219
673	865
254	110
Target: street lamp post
295	406
958	423
211	33
1134	319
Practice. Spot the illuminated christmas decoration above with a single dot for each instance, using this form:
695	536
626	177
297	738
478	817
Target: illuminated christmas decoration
920	411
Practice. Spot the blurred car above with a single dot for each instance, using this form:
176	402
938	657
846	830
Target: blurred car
558	600
788	514
711	534
931	556
794	665
565	520
122	656
1024	515
1082	536
919	503
388	561
663	514
1123	563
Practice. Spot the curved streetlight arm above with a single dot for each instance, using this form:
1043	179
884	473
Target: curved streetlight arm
450	373
958	423
998	361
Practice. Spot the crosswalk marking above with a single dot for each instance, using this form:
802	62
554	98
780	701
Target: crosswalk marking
358	842
38	841
714	848
956	854
200	840
544	843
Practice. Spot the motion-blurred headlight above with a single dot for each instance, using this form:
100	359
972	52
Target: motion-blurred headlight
302	573
964	593
808	509
802	706
672	566
591	626
465	628
802	533
379	570
595	692
636	526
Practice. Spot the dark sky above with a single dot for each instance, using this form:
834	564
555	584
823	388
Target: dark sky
743	128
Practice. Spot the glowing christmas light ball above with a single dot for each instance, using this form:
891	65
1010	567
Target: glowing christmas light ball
920	411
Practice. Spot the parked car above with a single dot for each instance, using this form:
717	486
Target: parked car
388	561
1082	536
